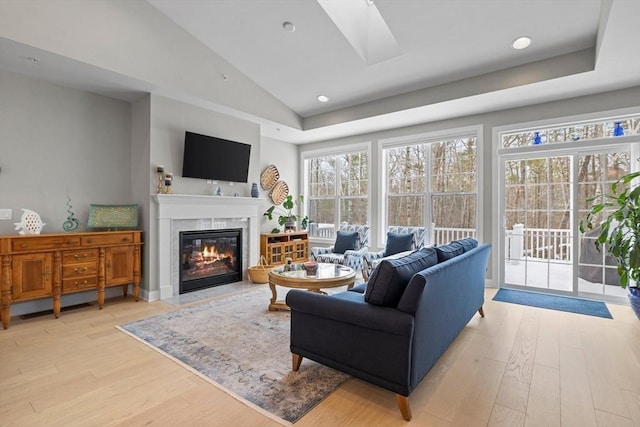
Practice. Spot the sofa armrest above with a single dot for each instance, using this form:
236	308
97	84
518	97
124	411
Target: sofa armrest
315	251
356	252
355	258
372	256
342	331
343	308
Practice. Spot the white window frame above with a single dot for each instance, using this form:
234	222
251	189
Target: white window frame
327	152
580	146
426	138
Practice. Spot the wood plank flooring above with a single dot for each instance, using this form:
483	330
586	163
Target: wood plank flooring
519	366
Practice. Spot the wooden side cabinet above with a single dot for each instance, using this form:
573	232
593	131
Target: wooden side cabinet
51	265
277	247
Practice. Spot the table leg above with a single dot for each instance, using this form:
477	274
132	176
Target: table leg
274	297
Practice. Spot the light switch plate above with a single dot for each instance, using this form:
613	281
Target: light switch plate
6	213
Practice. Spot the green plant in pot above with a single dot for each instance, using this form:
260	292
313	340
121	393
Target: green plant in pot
619	231
286	217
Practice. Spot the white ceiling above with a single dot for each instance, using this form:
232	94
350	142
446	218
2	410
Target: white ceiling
441	41
455	58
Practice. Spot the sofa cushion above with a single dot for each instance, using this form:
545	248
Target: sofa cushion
449	251
468	243
397	243
345	241
389	280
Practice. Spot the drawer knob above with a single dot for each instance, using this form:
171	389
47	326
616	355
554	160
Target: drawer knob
80	270
125	239
80	285
76	256
24	245
69	242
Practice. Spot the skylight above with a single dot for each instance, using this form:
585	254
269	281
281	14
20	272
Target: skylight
364	28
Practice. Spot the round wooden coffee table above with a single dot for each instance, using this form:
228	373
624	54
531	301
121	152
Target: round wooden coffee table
329	276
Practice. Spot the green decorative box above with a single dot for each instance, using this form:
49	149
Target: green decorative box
113	216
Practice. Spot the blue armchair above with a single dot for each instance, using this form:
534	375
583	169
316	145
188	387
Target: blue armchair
349	249
400	239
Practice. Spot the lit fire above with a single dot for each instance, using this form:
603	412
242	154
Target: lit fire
210	255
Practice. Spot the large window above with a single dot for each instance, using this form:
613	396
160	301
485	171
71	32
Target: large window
545	177
432	184
337	191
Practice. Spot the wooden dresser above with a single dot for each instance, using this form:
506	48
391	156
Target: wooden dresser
51	265
277	247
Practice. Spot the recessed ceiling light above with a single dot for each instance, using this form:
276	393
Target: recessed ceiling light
323	98
521	42
288	27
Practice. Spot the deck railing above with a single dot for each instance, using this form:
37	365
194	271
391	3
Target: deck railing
436	235
541	243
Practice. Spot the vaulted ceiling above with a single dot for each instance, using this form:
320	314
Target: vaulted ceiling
444	58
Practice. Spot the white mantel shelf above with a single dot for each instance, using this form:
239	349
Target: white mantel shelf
175	203
176	207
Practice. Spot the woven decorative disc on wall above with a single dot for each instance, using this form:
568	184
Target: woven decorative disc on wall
279	192
269	177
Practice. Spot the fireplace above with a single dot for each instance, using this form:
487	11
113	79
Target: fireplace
209	258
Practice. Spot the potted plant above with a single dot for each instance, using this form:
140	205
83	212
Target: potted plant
286	217
620	231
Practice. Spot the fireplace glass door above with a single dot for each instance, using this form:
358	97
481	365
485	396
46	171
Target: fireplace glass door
210	258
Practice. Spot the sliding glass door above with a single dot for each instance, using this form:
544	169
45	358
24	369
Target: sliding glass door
544	195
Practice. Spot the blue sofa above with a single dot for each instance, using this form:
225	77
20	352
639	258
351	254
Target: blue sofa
392	330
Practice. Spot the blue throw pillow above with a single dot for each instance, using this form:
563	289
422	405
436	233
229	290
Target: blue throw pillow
468	243
345	241
397	243
449	251
389	279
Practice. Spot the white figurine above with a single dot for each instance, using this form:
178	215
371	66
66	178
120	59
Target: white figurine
30	223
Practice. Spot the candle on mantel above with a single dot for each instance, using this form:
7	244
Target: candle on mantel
167	182
160	168
168	175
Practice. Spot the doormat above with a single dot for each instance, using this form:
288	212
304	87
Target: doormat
242	348
554	302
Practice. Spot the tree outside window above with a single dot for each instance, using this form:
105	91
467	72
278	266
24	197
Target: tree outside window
338	189
433	183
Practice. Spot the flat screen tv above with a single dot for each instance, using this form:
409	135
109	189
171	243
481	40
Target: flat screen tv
208	157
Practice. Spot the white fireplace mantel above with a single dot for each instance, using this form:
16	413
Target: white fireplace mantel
177	207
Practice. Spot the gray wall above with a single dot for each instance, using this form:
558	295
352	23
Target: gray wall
54	139
168	121
105	151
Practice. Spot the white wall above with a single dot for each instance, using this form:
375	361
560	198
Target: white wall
284	156
54	139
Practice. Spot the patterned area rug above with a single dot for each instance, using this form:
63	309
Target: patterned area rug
243	348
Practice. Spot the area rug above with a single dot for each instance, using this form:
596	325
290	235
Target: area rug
241	347
554	302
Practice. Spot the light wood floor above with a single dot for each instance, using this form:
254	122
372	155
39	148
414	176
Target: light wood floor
519	366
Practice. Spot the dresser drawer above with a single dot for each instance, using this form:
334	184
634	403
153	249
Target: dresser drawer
70	285
79	270
107	239
83	255
28	244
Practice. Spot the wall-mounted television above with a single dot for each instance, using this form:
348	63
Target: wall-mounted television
208	157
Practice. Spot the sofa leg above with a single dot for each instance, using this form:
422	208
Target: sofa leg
296	360
403	404
481	311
